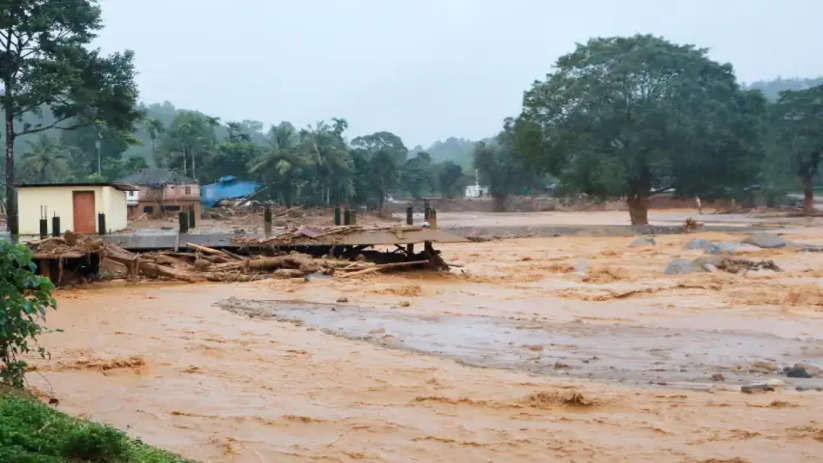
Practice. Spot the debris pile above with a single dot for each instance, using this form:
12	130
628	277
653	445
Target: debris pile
201	263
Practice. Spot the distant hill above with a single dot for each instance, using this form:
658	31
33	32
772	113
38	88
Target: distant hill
771	88
457	150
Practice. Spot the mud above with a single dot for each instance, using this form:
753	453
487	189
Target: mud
625	354
162	362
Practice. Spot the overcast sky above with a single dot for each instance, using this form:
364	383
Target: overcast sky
423	69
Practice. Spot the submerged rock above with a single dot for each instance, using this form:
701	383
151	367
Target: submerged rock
730	247
765	240
683	267
698	243
643	241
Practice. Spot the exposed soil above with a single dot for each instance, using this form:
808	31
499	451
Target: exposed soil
215	385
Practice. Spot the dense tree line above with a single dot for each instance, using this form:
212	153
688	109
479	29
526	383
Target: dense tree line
635	116
625	117
314	165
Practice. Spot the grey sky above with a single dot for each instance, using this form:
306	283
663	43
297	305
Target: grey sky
423	69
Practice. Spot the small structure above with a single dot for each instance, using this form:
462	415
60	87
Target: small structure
476	190
160	191
228	187
76	204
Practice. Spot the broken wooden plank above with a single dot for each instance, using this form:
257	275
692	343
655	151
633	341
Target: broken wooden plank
381	267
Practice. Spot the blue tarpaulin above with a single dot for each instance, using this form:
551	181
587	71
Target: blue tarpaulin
228	187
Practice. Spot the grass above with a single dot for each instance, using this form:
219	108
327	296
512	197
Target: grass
31	432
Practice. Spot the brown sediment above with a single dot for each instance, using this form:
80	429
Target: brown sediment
162	361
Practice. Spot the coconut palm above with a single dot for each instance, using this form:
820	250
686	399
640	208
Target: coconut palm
45	162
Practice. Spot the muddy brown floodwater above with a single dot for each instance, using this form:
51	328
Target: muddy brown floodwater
626	354
492	362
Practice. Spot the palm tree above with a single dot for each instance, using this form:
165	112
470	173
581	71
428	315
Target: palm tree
155	128
45	162
280	166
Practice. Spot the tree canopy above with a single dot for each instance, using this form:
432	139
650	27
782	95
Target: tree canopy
46	67
631	116
798	119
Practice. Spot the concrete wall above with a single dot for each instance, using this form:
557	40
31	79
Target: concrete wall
59	200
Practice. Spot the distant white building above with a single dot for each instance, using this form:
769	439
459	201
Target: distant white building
476	191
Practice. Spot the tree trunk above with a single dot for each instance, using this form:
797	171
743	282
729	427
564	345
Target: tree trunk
499	203
808	196
193	166
639	208
11	193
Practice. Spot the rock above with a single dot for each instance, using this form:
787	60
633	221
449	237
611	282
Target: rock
760	387
405	303
796	372
682	267
718	377
698	243
342	300
730	247
765	240
813	370
643	241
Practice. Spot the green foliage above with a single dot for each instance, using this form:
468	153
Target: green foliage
45	65
419	175
449	178
188	141
771	89
24	299
502	168
797	119
457	150
45	162
628	116
32	432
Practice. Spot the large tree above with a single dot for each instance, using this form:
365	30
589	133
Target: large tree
638	115
503	168
799	126
188	138
379	156
46	67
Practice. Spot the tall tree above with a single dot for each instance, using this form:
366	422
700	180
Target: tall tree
45	66
418	175
280	165
637	115
799	124
381	155
190	136
45	162
502	167
449	175
325	150
155	128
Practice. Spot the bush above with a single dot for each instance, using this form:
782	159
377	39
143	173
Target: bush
24	299
32	432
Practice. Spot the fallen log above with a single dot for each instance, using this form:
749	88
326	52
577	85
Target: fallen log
380	267
215	252
299	261
150	269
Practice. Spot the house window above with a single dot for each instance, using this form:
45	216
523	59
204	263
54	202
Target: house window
188	190
148	209
171	208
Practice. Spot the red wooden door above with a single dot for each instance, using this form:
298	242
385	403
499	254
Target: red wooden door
84	212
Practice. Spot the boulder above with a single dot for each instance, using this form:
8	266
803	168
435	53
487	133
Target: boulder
796	372
682	267
698	243
765	240
643	241
730	247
